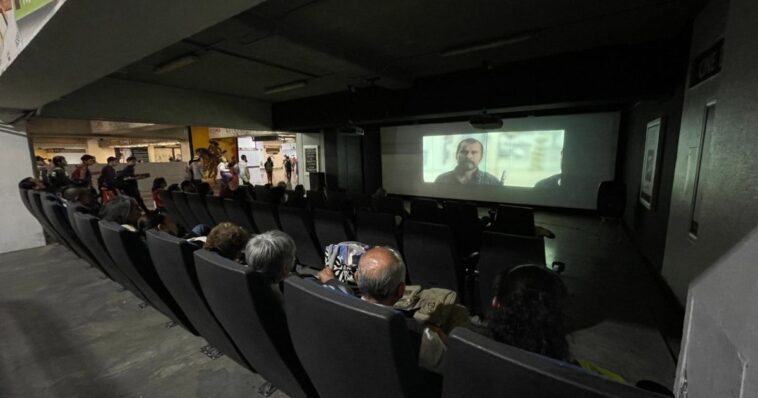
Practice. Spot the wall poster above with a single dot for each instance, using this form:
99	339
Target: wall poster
650	163
311	158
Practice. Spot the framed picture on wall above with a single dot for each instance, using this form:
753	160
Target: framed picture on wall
650	163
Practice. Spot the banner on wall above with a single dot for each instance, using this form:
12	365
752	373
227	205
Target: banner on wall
10	38
23	8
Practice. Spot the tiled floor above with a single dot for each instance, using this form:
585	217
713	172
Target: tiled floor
65	331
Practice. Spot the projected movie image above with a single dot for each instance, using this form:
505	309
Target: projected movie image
530	159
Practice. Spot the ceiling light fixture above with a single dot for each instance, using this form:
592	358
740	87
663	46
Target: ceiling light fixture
506	41
285	87
176	63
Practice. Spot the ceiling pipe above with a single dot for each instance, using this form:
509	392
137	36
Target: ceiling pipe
285	87
176	63
487	45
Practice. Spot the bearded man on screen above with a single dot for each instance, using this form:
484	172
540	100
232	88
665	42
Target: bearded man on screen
468	155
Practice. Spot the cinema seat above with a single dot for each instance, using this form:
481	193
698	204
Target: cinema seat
477	366
239	213
297	223
175	262
129	252
89	231
376	229
331	227
363	349
196	203
501	252
56	214
431	257
168	204
515	220
425	210
264	215
250	310
181	204
215	206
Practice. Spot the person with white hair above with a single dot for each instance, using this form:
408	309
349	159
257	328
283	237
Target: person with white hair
271	253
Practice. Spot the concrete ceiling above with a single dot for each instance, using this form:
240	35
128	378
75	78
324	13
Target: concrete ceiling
332	45
328	44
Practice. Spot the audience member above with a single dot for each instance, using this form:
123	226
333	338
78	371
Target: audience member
381	280
157	220
158	184
123	210
83	196
31	183
528	313
57	176
228	240
271	253
188	187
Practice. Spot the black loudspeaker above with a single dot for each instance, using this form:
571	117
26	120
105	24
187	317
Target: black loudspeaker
317	181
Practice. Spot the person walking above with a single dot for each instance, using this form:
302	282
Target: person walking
269	167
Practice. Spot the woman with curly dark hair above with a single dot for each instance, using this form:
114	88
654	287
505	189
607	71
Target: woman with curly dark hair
528	314
528	311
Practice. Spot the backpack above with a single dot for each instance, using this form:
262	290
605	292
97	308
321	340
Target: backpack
343	259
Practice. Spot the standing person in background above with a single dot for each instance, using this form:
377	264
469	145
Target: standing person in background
82	176
196	166
57	176
269	167
106	183
294	168
127	181
158	184
244	173
42	168
222	174
288	169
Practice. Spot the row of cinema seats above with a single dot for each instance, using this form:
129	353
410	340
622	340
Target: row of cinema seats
314	341
427	244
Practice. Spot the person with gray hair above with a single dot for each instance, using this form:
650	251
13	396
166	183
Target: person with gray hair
271	253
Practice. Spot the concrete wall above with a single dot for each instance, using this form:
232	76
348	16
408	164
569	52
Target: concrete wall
722	318
648	226
20	229
681	265
120	100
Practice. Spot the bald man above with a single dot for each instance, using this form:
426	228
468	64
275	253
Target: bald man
381	280
380	276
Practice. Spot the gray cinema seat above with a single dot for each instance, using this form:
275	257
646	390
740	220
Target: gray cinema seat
89	230
297	223
175	262
239	213
477	366
501	252
264	215
215	207
250	309
430	256
196	203
130	253
362	350
182	206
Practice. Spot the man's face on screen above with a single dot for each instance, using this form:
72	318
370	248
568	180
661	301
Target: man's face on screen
469	155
